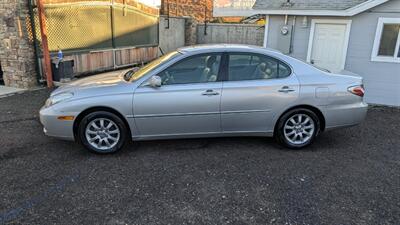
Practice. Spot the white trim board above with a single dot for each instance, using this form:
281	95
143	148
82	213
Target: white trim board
329	21
377	41
364	6
348	12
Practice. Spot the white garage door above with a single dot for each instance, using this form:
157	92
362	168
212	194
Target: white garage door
328	44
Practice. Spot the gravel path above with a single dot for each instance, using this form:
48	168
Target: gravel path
349	176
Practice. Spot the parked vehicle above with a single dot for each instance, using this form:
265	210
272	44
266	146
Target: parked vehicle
206	91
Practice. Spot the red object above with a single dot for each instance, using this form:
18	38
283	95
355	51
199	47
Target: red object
357	90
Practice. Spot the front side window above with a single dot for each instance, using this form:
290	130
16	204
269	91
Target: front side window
245	66
133	76
387	40
196	69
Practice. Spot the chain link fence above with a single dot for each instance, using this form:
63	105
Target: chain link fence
82	25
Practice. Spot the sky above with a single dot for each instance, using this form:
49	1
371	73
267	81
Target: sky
154	3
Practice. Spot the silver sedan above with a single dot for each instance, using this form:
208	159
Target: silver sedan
206	91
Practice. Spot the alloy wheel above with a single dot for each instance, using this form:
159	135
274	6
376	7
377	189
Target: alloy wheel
102	134
299	129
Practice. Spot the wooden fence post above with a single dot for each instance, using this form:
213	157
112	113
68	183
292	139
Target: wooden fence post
45	46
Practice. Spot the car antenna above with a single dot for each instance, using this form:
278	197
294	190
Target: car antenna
162	52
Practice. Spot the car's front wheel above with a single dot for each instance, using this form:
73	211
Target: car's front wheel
297	128
102	132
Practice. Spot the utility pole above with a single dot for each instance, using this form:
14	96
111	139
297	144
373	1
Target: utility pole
45	45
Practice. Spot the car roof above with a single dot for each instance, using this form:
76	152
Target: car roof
195	49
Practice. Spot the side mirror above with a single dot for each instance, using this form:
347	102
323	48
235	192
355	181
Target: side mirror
155	81
135	69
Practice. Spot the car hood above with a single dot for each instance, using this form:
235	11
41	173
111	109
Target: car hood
93	82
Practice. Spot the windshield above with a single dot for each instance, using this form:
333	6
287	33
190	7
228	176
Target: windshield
131	75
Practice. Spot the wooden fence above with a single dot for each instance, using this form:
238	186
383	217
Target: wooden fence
98	61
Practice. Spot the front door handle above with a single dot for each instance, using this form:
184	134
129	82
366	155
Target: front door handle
286	89
210	93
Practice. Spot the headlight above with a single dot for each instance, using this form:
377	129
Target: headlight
58	98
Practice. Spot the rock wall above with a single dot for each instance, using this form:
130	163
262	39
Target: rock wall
200	10
16	52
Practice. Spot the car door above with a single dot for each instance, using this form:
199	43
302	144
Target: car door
187	102
255	91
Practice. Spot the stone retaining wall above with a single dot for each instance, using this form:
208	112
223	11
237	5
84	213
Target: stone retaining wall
16	52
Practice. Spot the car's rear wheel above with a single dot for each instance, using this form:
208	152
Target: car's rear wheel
102	132
297	128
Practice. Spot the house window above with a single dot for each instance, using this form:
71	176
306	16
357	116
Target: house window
387	41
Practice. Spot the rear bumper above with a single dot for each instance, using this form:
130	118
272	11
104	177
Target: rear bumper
345	115
54	127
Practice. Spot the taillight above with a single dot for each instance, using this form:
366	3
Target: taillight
357	90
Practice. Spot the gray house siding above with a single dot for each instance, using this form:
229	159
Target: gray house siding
300	38
382	80
391	6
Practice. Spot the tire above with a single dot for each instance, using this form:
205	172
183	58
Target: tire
294	134
102	132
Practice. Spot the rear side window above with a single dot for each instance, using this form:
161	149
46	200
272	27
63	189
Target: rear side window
244	60
284	70
248	66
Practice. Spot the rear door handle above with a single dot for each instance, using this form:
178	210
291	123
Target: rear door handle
210	93
286	89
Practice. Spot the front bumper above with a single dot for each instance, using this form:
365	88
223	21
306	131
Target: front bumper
54	127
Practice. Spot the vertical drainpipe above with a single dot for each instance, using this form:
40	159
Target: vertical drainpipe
35	43
292	36
266	31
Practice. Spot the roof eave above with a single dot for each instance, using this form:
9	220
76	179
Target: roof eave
303	12
348	12
365	6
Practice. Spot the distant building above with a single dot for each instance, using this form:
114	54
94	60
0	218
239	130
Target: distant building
226	8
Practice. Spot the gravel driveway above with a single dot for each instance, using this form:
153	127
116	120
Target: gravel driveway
349	176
